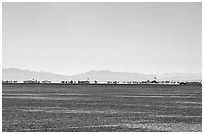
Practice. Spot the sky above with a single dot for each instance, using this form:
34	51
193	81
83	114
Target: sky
71	38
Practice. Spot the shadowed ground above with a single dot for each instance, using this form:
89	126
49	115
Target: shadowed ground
54	107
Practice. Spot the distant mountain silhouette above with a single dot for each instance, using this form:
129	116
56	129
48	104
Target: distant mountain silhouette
102	75
20	75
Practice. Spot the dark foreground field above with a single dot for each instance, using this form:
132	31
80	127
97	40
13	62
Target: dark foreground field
37	107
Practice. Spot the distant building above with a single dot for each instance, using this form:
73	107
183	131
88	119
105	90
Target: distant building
46	81
31	81
135	82
74	82
9	81
84	82
193	83
115	82
129	82
65	82
109	82
68	82
147	81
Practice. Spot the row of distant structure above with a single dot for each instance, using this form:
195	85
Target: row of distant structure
27	81
105	82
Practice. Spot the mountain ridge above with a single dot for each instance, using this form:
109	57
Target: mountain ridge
100	75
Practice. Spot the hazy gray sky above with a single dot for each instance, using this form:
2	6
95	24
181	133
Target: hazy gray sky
70	38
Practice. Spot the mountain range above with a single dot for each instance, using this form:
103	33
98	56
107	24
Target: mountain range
102	75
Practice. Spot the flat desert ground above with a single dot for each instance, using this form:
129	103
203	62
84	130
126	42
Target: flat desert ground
104	108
